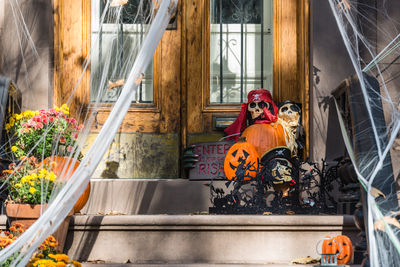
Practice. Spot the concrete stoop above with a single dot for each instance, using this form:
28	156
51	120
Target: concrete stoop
203	240
88	264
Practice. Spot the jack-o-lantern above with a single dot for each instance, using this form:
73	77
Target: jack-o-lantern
343	247
265	136
67	166
241	161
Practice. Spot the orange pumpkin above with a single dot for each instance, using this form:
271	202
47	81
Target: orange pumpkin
265	136
68	165
343	245
241	161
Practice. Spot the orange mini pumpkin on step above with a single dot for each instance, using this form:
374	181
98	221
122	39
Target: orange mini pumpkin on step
241	161
343	246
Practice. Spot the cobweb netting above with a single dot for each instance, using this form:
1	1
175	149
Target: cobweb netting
124	38
371	36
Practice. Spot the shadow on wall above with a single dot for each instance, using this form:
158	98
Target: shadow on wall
27	64
326	123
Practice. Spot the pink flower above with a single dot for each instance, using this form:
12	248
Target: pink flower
52	111
51	119
72	120
25	125
36	118
63	140
75	135
12	165
41	111
68	120
39	125
24	130
70	148
44	119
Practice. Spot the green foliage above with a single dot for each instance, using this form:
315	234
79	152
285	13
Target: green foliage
29	182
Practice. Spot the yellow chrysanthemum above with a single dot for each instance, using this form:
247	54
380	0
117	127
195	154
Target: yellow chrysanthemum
14	148
24	180
19	117
8	126
52	177
18	185
31	183
32	190
61	264
44	263
59	257
62	257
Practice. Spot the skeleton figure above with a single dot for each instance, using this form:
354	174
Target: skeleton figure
279	170
256	109
289	116
290	112
282	171
260	109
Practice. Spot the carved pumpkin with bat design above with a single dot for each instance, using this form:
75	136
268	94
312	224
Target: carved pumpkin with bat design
241	161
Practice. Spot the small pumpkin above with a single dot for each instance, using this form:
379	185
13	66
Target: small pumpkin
241	161
343	246
69	165
265	136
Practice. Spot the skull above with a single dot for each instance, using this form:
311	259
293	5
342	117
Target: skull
282	171
256	108
290	112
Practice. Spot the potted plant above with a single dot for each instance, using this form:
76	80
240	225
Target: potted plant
46	134
30	185
43	133
46	254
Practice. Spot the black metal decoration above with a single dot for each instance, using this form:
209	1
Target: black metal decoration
267	194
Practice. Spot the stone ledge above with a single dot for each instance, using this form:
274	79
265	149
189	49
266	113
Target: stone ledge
185	239
214	222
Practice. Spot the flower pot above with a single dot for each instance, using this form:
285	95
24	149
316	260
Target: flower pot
27	214
69	165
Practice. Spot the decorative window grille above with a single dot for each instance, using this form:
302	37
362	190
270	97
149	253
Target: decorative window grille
240	49
112	47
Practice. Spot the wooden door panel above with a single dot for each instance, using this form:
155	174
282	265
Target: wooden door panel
147	145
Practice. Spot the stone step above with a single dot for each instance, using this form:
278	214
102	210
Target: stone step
88	264
148	196
206	239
